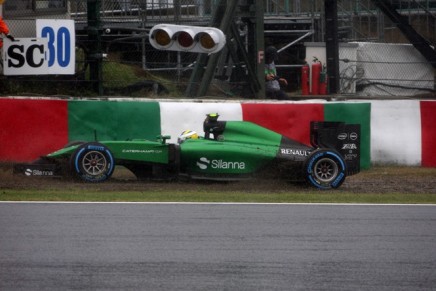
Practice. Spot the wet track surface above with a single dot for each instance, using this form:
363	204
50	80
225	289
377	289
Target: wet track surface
216	247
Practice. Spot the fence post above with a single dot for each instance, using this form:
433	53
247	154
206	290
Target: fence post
95	54
332	44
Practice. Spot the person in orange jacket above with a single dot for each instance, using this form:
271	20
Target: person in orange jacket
4	29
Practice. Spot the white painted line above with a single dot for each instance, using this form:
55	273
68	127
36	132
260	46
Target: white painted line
212	203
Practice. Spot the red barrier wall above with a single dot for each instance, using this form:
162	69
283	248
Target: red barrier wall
286	119
31	128
428	132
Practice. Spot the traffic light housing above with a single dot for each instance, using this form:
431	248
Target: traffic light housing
185	38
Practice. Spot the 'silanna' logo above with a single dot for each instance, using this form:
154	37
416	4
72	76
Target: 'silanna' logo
203	163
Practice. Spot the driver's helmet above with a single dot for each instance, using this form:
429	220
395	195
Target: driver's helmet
187	134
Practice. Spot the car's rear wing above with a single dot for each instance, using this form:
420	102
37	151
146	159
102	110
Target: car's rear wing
345	138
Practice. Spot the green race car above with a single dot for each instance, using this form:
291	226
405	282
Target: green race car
229	150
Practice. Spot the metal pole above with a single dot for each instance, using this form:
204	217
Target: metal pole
259	49
95	54
256	43
198	73
332	44
295	41
226	21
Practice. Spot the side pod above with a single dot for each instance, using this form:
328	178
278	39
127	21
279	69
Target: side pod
345	138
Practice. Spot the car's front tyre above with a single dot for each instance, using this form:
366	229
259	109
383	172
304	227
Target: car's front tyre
92	162
325	169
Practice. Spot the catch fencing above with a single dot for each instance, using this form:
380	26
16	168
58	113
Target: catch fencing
132	67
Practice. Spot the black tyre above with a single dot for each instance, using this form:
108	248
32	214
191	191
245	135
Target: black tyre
92	162
325	169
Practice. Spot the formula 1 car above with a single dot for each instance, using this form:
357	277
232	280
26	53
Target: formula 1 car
229	150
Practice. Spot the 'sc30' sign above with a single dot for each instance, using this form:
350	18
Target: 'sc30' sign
52	52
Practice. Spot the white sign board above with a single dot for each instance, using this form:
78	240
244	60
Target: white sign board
52	52
25	56
61	43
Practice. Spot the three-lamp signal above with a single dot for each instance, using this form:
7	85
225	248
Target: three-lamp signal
187	38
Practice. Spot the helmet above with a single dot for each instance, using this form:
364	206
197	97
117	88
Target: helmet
187	134
212	117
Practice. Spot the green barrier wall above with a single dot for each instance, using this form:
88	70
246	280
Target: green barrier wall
112	120
354	113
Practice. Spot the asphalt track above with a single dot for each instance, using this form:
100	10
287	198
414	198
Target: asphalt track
147	246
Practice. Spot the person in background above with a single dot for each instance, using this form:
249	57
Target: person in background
4	29
272	81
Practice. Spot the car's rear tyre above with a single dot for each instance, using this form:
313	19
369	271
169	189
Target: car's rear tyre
92	162
325	169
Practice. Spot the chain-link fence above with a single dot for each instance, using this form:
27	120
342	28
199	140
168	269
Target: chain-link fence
132	67
390	59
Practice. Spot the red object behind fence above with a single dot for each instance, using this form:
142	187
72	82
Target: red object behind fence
323	81
316	73
305	79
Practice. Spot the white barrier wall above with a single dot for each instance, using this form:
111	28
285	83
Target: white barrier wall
190	116
396	132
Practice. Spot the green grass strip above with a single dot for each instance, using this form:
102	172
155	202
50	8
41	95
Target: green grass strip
199	196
